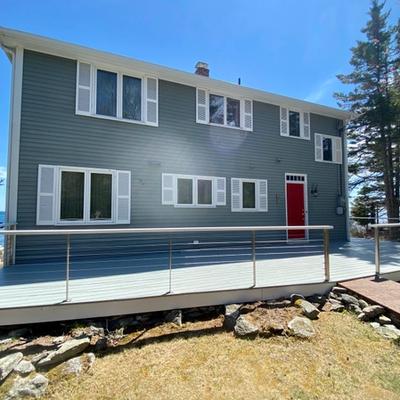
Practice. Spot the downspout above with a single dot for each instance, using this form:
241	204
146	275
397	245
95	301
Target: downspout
346	181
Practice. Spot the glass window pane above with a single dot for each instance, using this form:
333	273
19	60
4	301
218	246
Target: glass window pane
72	194
294	123
204	191
327	149
233	112
106	102
100	196
185	191
216	109
132	98
249	195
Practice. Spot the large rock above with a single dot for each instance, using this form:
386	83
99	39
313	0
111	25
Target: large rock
244	328
384	320
362	304
388	331
372	312
28	387
8	363
308	309
301	327
339	290
67	350
232	312
348	299
25	367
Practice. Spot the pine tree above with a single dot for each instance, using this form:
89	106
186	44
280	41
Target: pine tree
375	158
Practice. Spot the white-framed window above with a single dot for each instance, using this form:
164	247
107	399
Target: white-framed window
249	195
104	93
328	148
82	196
193	191
294	123
223	110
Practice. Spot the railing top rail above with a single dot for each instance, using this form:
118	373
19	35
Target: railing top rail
388	225
91	231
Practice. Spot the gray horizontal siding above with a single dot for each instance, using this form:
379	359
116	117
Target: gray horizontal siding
51	133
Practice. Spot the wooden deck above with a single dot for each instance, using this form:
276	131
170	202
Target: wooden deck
194	271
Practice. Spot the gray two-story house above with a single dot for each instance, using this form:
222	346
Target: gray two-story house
101	140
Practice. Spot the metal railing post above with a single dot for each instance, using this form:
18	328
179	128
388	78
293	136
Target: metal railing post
67	269
170	266
253	245
326	256
377	253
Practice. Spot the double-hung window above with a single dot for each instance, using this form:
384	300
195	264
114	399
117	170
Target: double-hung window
294	123
73	196
249	195
110	94
193	191
328	149
222	110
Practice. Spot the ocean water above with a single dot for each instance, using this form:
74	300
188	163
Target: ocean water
1	223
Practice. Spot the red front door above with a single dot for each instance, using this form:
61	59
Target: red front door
295	209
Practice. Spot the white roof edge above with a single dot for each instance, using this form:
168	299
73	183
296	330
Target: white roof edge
12	38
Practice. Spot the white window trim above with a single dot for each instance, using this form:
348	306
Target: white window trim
120	73
195	203
301	112
257	194
323	135
86	198
225	96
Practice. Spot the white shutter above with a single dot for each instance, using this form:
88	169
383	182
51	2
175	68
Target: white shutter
318	147
168	189
202	106
247	115
151	93
123	203
262	191
306	125
46	194
83	88
236	194
337	150
284	121
220	191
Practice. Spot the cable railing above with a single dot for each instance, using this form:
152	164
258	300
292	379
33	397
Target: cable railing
174	242
377	239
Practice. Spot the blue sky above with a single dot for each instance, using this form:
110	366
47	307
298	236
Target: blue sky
290	47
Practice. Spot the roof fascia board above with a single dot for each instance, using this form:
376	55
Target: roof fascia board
12	38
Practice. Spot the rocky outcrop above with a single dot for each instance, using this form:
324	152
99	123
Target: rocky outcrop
67	350
8	363
301	327
308	309
28	387
25	367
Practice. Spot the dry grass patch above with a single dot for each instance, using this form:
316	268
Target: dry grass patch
346	360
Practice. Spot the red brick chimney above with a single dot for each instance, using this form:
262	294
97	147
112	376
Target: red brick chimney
202	69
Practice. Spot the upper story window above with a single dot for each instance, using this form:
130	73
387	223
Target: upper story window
193	191
115	95
328	149
249	194
217	109
295	123
77	196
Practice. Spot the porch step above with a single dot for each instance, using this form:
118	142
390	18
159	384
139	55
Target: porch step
381	291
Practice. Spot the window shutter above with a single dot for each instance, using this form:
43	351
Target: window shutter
337	150
262	195
284	121
247	115
306	125
202	106
236	194
152	101
318	147
220	191
168	189
46	193
83	88
123	197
